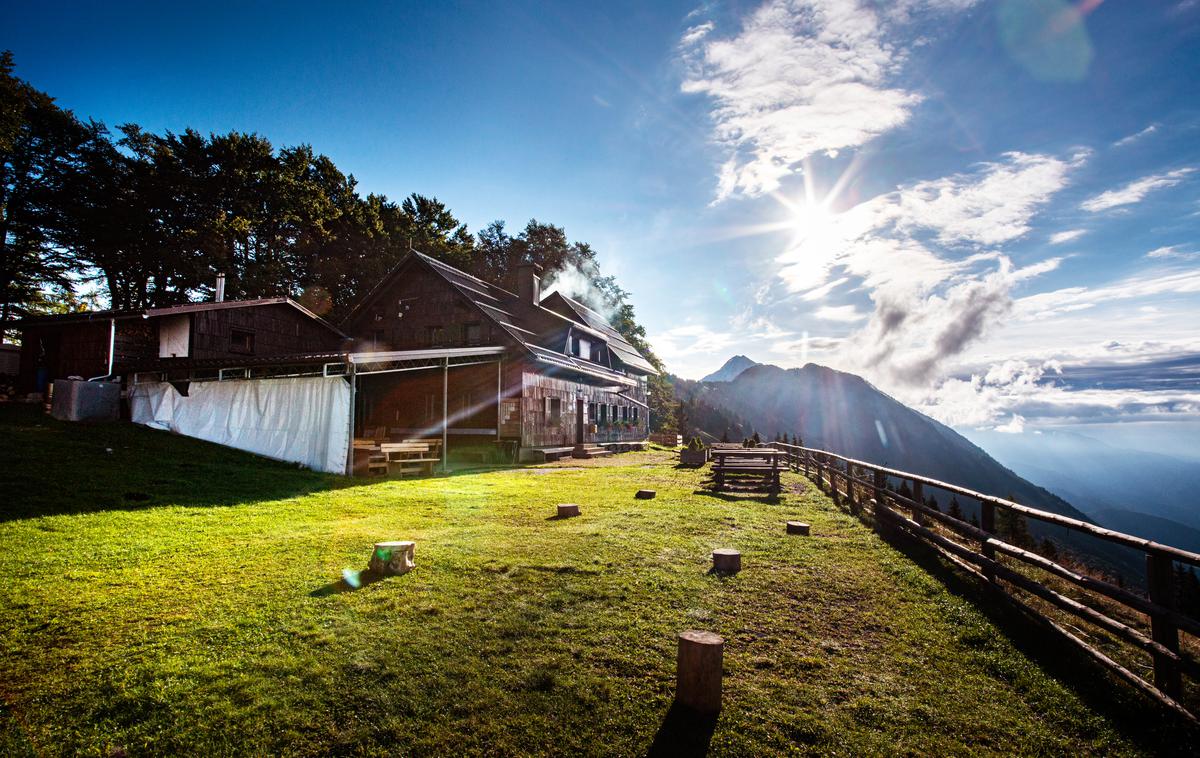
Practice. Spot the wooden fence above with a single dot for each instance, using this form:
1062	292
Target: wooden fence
1150	622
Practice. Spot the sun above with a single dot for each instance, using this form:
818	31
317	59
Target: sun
811	220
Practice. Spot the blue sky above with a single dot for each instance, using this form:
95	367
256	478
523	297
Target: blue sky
990	209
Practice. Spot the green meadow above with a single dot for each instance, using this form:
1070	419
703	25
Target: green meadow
167	596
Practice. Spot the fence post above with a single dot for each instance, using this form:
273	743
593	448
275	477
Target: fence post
879	481
987	522
833	486
1160	575
918	495
804	455
820	463
850	496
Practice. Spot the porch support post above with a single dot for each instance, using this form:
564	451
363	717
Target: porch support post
350	434
499	393
445	412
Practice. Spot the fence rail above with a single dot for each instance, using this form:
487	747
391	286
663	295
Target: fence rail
1151	623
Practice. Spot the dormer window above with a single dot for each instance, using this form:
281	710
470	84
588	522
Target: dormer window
581	348
474	334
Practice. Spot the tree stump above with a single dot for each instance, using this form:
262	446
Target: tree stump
726	561
566	510
698	671
644	494
797	527
392	558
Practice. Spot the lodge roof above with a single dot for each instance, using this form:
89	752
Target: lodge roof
540	329
169	310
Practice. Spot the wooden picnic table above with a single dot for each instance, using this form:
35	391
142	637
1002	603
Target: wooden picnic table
768	454
761	461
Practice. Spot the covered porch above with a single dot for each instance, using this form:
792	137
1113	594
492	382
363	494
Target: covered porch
431	407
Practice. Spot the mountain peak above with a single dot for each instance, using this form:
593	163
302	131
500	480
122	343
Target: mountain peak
727	373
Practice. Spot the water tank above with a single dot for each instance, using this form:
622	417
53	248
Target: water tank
77	400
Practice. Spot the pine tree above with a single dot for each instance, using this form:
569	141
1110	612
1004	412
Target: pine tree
955	510
1049	549
725	436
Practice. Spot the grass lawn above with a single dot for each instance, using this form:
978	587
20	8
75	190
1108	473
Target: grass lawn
163	595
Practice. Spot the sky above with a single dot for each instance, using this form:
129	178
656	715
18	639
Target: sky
988	209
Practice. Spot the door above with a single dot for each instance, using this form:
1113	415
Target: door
579	419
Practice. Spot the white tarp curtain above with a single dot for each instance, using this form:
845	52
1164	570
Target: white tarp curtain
303	420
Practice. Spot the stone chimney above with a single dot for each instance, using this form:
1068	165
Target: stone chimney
529	282
220	293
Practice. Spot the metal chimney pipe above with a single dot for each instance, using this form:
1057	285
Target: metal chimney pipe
220	297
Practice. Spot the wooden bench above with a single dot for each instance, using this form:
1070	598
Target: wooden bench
411	457
368	458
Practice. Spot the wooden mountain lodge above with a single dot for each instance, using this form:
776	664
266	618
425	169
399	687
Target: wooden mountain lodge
431	360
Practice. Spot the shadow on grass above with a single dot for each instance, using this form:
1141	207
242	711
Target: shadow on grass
1150	725
684	733
50	468
350	581
734	496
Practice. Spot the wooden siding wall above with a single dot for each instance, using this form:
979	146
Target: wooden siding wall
400	317
81	349
277	329
537	426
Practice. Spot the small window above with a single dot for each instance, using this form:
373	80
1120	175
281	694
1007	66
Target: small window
591	410
377	339
436	335
624	412
241	341
553	410
635	413
574	346
474	334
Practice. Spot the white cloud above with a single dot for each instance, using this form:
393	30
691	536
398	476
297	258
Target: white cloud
695	33
802	77
846	313
1171	251
1014	426
1068	235
817	293
991	206
1032	398
1136	136
1046	305
1134	191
